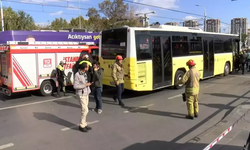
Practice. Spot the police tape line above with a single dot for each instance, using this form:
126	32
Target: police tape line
225	132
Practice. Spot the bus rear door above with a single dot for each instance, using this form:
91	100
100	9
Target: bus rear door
162	61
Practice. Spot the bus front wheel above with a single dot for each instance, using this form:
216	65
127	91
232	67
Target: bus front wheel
178	77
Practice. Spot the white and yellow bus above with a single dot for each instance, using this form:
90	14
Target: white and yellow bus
155	57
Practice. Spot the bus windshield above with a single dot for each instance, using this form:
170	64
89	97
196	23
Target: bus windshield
114	42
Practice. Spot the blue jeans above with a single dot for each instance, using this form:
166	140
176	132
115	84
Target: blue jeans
120	90
98	97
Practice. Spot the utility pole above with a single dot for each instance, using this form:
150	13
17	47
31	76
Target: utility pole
205	16
79	14
2	15
145	17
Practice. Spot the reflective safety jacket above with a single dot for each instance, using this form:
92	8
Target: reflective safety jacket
118	73
60	72
191	78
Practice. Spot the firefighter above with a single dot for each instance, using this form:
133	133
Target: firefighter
191	78
60	78
118	75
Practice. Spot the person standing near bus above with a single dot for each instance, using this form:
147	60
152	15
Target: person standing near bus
81	85
60	78
90	71
191	78
243	59
97	82
118	75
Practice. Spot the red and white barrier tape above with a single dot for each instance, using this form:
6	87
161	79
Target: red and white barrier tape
225	132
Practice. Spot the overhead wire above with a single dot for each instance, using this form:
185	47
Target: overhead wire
77	8
44	12
43	4
178	11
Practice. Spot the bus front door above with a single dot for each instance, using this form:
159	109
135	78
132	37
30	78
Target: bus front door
162	62
208	58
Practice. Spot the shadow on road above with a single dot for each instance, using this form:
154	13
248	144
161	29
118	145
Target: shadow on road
52	118
66	103
156	112
15	96
164	145
219	106
226	95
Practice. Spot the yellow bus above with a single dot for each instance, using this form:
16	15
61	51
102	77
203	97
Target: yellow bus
155	57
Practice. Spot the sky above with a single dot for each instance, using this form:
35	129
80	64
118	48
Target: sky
224	10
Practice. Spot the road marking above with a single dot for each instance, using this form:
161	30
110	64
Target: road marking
28	104
179	95
128	111
209	86
6	145
76	126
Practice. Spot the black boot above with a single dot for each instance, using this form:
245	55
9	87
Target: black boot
121	104
58	95
189	117
114	98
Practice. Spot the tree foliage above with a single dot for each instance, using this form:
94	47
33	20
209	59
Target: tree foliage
110	14
17	20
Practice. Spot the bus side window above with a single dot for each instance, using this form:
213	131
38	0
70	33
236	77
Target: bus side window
143	50
219	45
180	46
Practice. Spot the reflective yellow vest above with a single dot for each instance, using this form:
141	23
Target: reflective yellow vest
61	68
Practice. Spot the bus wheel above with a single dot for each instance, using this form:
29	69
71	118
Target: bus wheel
46	88
226	69
178	77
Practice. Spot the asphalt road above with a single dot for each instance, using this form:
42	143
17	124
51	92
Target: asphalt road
152	120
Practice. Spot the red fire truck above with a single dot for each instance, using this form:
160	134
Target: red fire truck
29	66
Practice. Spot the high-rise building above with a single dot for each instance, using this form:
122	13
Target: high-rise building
239	23
191	23
213	25
172	23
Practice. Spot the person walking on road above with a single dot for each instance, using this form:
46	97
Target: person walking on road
97	82
60	78
191	78
81	85
118	77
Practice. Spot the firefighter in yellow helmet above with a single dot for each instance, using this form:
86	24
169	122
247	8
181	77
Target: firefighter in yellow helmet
191	78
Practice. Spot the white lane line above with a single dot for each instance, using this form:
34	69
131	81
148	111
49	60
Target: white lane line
6	145
76	126
209	86
128	111
28	104
179	95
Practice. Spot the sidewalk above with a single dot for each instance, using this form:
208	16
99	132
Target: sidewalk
235	138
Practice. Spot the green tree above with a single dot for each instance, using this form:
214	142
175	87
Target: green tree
59	24
116	14
25	21
17	20
244	39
